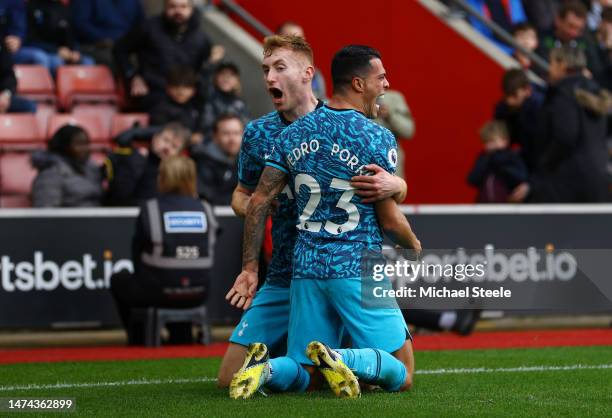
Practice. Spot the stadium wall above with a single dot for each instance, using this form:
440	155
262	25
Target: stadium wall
449	82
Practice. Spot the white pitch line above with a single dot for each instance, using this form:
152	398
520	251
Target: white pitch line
107	384
212	379
517	369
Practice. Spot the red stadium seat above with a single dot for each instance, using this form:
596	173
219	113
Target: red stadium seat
35	83
92	123
81	83
125	121
16	174
43	113
105	111
20	131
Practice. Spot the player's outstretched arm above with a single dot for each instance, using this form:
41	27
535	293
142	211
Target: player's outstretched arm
240	200
395	225
379	186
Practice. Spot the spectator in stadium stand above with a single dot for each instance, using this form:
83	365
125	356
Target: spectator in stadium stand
223	97
9	101
519	110
318	82
98	24
177	276
573	157
147	53
506	13
50	39
132	173
12	32
66	176
570	30
498	169
541	13
394	114
525	35
12	24
182	102
217	160
602	72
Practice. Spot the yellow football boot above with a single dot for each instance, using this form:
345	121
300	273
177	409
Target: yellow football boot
340	378
253	374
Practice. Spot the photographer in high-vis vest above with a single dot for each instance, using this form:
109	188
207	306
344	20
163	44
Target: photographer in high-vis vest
172	250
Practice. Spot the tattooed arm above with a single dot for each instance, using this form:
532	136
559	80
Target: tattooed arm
271	183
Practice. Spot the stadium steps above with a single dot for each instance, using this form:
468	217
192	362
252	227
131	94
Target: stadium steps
479	41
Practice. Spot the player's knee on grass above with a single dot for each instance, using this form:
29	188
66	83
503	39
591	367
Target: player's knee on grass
406	356
231	363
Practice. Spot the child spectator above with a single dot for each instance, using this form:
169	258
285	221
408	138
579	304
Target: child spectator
182	103
526	36
49	40
217	160
498	169
519	109
132	175
223	96
66	176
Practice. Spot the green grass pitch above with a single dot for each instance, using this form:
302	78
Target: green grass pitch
186	387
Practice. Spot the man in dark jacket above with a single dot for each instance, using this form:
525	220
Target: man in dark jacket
132	176
217	161
162	42
519	110
50	38
12	24
100	23
571	139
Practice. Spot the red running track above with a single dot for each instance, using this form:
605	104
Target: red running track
480	340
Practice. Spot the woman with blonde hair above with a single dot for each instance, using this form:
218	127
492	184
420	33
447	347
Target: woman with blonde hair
172	251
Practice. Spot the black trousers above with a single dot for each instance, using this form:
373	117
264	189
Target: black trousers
130	291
